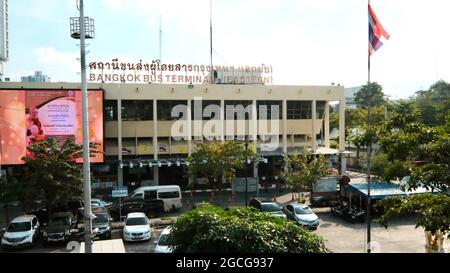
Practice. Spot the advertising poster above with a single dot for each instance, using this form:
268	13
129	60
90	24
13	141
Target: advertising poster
28	116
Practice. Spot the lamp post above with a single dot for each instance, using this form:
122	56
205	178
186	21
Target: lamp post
79	31
246	173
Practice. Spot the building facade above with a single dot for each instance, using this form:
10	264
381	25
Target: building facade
4	50
37	77
147	127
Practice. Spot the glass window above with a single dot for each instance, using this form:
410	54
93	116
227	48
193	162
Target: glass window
213	108
271	207
268	106
101	218
137	110
110	108
299	109
303	210
59	221
237	109
172	194
141	221
163	239
19	227
165	109
320	109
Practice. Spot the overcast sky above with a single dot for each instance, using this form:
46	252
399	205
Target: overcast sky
307	42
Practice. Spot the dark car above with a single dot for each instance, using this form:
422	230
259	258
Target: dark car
102	222
136	204
267	205
59	227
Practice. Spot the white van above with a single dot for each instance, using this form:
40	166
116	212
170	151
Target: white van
170	194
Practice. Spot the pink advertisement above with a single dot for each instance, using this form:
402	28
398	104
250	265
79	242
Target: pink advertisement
27	116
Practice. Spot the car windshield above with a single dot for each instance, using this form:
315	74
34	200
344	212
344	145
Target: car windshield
303	210
19	227
56	221
271	207
101	218
163	239
138	221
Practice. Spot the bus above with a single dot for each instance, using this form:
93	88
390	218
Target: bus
169	194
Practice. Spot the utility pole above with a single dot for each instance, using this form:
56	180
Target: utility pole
85	122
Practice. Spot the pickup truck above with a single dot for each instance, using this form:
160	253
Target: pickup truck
325	191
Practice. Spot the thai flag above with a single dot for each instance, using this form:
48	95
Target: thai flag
376	31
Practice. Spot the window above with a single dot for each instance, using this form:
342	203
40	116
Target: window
320	109
238	109
268	106
172	194
141	221
299	109
165	109
137	110
213	109
110	110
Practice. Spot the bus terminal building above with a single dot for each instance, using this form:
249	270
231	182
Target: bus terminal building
150	129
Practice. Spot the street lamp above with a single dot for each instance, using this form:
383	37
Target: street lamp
246	173
83	28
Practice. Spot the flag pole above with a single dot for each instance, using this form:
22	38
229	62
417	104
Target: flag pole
369	145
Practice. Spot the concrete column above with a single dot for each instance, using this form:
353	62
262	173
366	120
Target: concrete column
342	136
326	127
313	126
222	120
119	143
255	140
284	127
155	129
189	127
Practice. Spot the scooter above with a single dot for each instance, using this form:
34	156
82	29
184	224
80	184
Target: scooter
355	215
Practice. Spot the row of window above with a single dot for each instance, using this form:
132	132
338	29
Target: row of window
135	110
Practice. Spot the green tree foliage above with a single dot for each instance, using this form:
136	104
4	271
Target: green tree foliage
432	211
210	229
216	160
372	91
52	172
434	103
302	170
389	170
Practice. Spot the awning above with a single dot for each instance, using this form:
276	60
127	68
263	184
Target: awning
380	190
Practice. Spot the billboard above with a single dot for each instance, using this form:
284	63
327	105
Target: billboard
27	116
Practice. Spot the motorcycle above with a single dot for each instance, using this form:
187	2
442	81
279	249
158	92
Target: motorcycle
356	215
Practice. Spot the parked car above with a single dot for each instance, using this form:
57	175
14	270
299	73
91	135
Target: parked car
137	204
267	205
99	203
302	214
59	227
102	221
161	244
22	231
136	227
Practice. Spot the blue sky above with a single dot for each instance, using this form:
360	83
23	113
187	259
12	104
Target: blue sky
307	42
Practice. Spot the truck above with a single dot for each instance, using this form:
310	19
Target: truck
325	190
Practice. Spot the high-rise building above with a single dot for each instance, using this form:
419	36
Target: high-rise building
4	51
37	77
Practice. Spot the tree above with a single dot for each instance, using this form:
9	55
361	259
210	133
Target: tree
209	229
432	211
10	189
434	103
216	160
303	170
371	90
52	173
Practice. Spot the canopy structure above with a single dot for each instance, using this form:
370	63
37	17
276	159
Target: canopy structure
329	151
380	190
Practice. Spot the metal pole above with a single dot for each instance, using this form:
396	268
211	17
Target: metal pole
86	163
246	175
369	148
210	41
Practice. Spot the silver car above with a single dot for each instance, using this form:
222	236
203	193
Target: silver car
302	214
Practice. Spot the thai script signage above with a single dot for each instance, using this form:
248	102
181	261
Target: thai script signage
157	72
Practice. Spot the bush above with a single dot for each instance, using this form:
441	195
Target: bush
210	229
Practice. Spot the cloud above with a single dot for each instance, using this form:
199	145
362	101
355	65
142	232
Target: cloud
60	66
114	5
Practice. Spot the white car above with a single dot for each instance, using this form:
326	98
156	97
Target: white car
137	227
161	244
302	214
23	231
99	203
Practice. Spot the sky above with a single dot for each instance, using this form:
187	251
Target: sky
306	42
